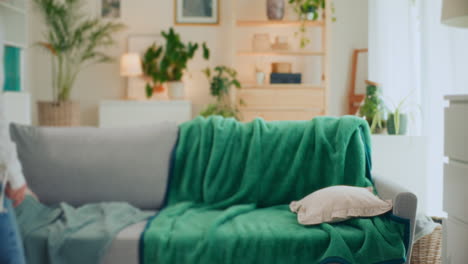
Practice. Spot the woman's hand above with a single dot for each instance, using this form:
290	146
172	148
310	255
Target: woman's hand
17	195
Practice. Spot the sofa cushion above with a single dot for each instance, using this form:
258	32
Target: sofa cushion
125	247
85	165
337	204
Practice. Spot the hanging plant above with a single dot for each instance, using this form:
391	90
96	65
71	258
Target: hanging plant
308	10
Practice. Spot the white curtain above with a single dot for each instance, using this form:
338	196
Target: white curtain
410	50
394	54
445	71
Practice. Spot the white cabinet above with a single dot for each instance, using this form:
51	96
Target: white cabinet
124	113
456	180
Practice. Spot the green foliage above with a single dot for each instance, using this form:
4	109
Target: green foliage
221	110
74	41
167	63
304	7
373	108
222	78
402	109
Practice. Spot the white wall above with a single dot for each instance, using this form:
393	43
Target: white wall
151	16
349	32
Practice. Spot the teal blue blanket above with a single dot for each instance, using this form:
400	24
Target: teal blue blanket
63	234
231	185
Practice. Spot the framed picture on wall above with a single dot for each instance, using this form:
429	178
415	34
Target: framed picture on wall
110	9
196	12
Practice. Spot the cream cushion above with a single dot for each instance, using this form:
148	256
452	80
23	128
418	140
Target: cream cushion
338	203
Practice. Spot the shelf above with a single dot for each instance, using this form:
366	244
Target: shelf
12	8
281	53
278	23
298	109
14	44
252	86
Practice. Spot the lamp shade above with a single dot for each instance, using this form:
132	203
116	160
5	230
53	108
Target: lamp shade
455	13
130	65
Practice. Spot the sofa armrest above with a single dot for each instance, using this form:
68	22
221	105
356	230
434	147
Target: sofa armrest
404	203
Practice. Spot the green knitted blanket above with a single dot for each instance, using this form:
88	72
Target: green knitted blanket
231	184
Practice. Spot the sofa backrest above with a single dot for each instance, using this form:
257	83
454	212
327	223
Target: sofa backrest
89	165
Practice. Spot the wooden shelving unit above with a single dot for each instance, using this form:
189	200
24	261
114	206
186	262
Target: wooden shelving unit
280	53
282	86
279	23
282	101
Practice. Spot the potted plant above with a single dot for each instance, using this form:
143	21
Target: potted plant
73	40
373	109
221	82
167	64
307	10
398	118
151	71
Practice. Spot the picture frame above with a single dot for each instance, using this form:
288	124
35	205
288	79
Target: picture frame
196	12
109	9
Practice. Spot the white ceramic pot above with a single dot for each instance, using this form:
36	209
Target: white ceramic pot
260	78
176	90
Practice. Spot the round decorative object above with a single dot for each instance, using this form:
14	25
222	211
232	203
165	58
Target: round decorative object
176	90
275	9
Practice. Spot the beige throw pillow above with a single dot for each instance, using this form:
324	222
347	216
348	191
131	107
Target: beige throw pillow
338	203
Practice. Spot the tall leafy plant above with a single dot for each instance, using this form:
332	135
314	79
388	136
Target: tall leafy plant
74	41
168	63
222	79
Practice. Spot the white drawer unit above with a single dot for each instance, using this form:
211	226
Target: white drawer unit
125	113
456	180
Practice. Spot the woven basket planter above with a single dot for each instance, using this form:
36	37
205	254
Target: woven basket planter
60	114
428	250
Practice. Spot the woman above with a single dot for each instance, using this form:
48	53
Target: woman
12	192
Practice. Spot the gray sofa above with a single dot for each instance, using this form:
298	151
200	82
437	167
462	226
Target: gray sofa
86	165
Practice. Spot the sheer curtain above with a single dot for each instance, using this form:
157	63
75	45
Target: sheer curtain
410	50
444	71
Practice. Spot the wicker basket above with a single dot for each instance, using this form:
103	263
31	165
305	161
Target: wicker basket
428	250
59	114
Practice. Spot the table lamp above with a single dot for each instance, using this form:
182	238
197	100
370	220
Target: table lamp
130	66
455	13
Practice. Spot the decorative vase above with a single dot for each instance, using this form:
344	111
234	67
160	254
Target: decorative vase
397	129
61	114
260	78
275	9
176	90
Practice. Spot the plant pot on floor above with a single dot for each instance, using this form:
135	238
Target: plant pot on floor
176	90
397	126
60	114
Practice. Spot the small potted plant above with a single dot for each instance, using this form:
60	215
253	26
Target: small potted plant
398	118
221	81
74	42
151	71
308	10
373	109
170	68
